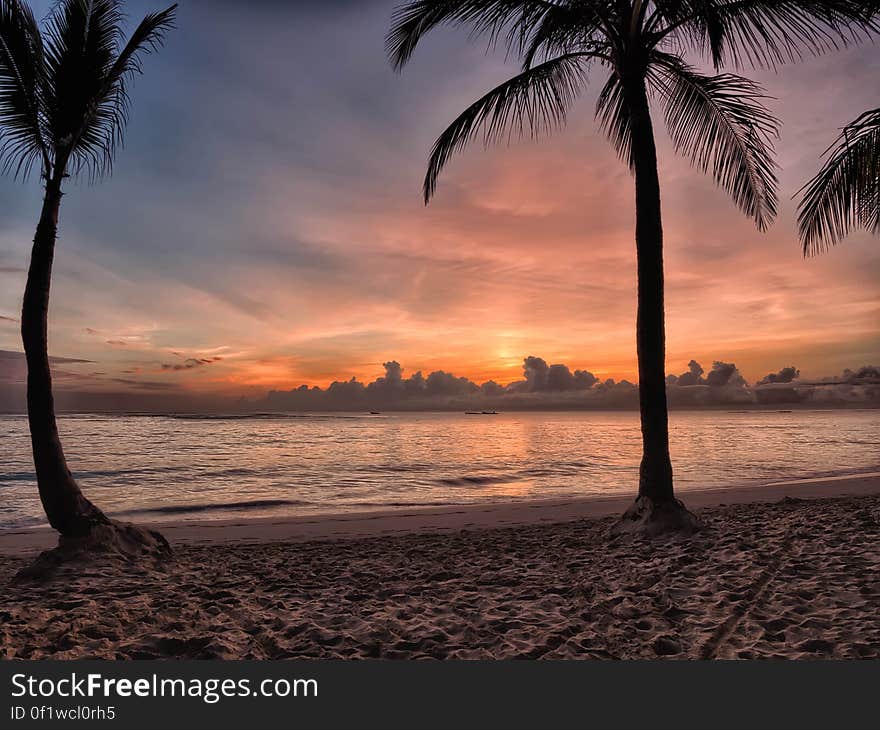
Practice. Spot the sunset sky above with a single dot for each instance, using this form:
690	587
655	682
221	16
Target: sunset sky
264	226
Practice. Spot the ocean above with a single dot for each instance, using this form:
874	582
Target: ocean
158	468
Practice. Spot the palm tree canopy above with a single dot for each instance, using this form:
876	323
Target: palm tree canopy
718	122
63	91
845	193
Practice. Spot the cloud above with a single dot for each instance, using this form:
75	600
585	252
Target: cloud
96	391
14	356
439	389
694	375
558	387
13	378
189	363
145	384
868	374
491	388
440	383
543	386
721	375
786	375
723	385
852	388
541	377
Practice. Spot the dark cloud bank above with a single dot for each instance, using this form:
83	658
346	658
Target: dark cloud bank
79	387
543	386
556	386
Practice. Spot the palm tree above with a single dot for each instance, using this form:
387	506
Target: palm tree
63	107
718	122
845	193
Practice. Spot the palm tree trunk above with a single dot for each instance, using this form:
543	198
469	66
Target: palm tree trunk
68	510
655	473
656	510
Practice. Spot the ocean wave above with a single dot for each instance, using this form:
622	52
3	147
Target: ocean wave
18	476
30	476
401	468
550	470
253	504
260	416
470	481
403	504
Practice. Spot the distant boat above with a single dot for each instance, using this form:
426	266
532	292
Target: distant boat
374	413
490	413
481	413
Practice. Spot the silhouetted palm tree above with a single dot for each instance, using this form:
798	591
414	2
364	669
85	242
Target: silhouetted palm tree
63	107
718	122
845	193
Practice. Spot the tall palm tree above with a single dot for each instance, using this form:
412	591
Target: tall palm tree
718	122
63	107
845	193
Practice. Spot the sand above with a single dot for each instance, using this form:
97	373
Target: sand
794	575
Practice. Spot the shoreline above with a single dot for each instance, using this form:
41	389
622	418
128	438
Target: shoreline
452	518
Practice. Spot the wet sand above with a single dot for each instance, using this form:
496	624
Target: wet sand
787	571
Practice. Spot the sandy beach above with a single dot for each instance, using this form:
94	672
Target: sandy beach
781	571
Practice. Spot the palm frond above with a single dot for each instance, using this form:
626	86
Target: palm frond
87	101
537	99
82	40
567	27
613	115
113	104
766	33
845	193
412	20
22	74
690	22
147	38
721	125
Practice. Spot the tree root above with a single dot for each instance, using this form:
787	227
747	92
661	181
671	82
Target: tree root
648	517
119	544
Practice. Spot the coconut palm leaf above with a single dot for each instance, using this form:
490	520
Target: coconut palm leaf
613	116
762	33
536	99
82	38
86	100
568	27
845	193
147	38
22	78
114	102
411	21
721	125
717	121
